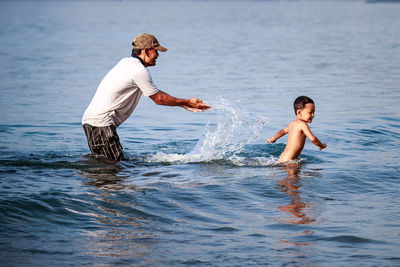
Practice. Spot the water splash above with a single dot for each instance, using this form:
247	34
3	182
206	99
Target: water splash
234	128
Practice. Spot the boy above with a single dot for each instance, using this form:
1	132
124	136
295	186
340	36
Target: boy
298	130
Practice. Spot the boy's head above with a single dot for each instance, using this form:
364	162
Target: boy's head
304	108
301	102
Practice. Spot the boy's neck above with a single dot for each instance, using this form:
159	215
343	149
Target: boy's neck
298	119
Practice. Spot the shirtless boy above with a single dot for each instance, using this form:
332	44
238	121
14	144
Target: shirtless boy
298	130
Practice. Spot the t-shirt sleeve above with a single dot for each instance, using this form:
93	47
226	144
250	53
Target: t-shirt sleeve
145	83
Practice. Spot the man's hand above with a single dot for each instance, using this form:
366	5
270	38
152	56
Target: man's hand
196	105
270	141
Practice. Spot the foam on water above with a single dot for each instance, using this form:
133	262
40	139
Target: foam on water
234	128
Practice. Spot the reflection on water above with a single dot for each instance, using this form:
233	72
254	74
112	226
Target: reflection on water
106	177
297	209
121	230
299	212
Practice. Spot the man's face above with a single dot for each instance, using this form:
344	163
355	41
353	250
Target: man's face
151	57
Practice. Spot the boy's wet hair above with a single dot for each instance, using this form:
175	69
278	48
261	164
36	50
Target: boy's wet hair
301	102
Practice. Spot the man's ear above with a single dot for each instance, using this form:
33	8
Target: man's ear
143	52
298	112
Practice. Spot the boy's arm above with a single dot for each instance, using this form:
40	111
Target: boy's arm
312	137
278	135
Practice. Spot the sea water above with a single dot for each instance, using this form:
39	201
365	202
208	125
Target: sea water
203	188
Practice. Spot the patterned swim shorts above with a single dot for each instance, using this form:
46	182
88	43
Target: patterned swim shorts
104	142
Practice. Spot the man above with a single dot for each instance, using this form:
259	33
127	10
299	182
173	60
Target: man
119	93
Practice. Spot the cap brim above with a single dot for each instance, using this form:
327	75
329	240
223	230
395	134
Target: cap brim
161	48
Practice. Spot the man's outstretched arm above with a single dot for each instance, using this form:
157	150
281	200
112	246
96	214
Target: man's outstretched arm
192	104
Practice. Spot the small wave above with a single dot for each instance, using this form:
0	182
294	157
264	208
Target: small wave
225	229
224	139
351	239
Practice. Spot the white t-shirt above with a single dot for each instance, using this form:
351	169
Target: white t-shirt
119	93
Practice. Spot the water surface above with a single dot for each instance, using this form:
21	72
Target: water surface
202	188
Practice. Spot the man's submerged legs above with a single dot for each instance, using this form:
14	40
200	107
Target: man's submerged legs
104	142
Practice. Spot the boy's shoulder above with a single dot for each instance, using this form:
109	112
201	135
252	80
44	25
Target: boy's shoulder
298	124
